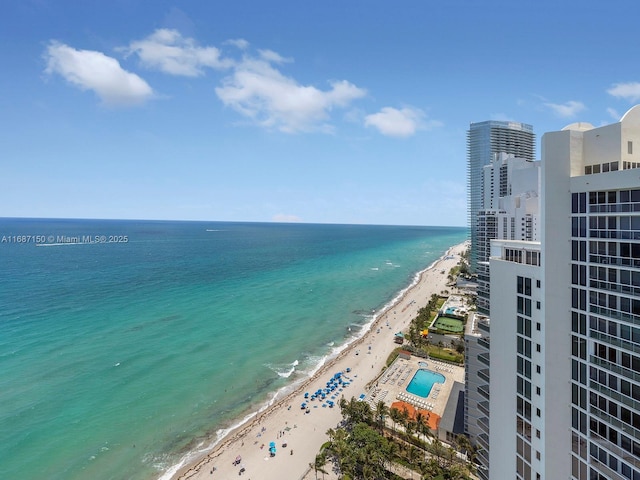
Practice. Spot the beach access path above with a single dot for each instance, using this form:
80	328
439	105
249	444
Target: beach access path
304	433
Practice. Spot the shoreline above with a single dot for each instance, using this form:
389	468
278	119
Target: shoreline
292	424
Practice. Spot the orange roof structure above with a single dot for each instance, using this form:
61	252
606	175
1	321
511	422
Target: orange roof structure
432	419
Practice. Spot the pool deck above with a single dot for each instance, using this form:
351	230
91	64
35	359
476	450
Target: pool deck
391	384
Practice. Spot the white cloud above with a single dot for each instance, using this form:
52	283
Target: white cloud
629	91
273	57
270	99
170	52
286	218
567	110
91	70
400	123
240	43
614	114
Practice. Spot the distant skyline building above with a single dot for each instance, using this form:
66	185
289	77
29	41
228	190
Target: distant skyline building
511	209
512	206
495	150
564	344
485	140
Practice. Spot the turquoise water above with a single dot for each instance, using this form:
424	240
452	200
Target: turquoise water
118	358
422	382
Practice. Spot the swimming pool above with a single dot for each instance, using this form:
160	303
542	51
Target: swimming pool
423	381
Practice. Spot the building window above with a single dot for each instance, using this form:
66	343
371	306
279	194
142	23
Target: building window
630	147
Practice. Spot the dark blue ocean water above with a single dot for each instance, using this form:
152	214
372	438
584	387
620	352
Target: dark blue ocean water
124	344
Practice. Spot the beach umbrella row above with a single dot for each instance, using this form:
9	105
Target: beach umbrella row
336	382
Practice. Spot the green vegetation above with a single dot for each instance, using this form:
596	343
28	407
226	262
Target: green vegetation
424	318
462	268
446	354
365	448
422	346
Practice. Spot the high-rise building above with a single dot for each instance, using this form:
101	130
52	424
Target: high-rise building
511	208
565	316
484	141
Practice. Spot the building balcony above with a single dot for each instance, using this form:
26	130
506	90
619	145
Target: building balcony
615	341
604	470
614	368
483	390
484	375
609	260
626	456
615	314
483	442
614	287
482	459
483	423
617	424
617	396
484	326
484	407
484	358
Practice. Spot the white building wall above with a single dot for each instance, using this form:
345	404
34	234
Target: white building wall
585	424
583	316
556	307
516	411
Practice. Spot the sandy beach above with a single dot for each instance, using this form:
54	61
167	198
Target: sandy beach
304	433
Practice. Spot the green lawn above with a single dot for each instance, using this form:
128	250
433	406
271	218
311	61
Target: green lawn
448	324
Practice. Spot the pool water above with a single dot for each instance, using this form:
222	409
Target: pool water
423	381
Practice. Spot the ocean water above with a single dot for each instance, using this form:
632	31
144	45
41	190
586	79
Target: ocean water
126	344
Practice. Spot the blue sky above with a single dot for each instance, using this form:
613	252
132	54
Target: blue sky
330	112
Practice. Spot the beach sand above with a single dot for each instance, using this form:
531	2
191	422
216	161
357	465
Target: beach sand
304	433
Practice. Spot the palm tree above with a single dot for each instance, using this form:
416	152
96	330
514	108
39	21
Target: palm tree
391	452
419	421
430	468
404	417
439	450
410	427
412	454
355	411
318	464
396	417
464	445
381	411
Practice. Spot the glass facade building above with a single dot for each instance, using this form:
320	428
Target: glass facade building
484	141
